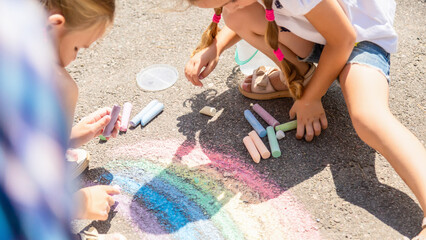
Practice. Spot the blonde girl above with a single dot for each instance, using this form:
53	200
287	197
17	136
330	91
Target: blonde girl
75	25
350	40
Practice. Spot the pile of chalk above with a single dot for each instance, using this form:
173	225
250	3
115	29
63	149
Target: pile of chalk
143	117
253	141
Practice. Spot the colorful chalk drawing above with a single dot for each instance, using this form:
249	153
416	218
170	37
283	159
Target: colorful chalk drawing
173	191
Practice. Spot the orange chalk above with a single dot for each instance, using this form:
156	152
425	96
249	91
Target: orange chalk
264	152
251	149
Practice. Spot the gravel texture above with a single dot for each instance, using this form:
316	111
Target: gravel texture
345	189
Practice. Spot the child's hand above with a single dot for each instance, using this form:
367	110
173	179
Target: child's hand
95	202
310	118
92	126
207	58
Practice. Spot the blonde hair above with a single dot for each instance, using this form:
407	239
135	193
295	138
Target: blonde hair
292	76
209	34
82	14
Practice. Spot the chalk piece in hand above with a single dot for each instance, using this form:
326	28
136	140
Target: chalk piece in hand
114	116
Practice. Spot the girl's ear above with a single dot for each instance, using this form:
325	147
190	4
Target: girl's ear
56	20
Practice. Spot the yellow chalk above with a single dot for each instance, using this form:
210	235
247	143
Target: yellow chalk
251	149
264	152
209	111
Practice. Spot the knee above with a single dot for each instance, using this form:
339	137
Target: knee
368	123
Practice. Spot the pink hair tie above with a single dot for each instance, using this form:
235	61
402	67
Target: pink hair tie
269	14
216	18
279	54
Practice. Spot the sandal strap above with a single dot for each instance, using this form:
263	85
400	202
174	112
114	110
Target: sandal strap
309	74
424	223
261	76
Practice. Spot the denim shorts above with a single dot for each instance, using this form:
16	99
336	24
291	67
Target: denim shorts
366	53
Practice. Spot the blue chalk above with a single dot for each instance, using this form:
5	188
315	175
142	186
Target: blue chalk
137	119
154	111
254	123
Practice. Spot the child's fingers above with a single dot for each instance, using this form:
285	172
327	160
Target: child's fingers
209	68
324	122
103	215
98	114
191	72
292	114
111	190
317	127
309	135
98	126
110	200
300	132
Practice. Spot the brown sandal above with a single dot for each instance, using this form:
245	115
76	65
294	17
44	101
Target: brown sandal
261	87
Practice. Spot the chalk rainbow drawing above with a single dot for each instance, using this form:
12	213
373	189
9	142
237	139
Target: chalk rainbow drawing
175	191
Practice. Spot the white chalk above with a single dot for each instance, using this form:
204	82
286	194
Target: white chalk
209	111
280	134
137	119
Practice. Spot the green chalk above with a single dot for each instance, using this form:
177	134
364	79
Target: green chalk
102	137
287	126
273	142
196	180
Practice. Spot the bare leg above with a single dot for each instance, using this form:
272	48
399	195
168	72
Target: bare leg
366	94
250	24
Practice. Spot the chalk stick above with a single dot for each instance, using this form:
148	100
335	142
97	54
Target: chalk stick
137	119
287	126
273	142
114	116
101	137
127	108
265	115
152	113
251	149
280	134
264	152
254	123
209	111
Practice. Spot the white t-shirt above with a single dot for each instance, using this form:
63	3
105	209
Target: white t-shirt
372	20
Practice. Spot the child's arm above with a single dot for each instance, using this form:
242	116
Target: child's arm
91	127
208	57
330	20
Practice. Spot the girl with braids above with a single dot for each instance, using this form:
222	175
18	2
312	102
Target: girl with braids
74	25
350	40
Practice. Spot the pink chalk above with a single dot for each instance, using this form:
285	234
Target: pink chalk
265	115
251	149
127	108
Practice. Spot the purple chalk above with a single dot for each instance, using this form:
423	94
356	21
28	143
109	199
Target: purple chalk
114	116
127	108
265	115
